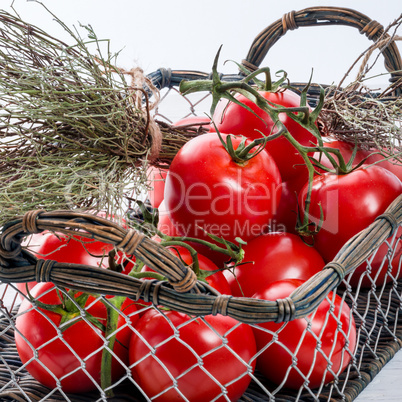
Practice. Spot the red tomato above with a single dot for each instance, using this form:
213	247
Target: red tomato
272	257
349	204
206	190
346	149
217	280
156	182
384	265
393	166
166	226
157	176
196	121
75	250
285	217
234	119
199	341
37	332
293	337
61	248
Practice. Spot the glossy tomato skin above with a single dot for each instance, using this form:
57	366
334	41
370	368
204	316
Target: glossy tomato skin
165	224
381	269
195	385
206	189
349	203
76	250
274	362
157	175
285	216
156	181
40	328
196	121
61	248
233	118
167	227
272	257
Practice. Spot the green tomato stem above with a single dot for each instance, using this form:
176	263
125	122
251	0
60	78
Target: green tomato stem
231	250
301	115
110	335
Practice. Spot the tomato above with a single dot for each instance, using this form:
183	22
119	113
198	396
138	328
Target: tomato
346	149
165	224
234	119
296	338
156	182
349	204
285	216
37	333
157	175
196	121
61	248
75	250
393	166
199	341
208	191
167	227
383	265
272	257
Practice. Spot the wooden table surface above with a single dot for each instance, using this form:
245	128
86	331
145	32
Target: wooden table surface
387	385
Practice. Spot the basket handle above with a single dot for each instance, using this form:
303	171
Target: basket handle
317	16
19	265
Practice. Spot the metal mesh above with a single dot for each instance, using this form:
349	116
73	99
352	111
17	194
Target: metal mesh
375	310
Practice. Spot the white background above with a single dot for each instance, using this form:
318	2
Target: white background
181	34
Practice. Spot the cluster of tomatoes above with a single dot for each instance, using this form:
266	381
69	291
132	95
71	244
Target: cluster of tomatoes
261	200
62	340
221	186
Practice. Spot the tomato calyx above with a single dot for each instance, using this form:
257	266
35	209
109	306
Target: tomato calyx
244	152
308	229
246	87
70	309
301	114
340	167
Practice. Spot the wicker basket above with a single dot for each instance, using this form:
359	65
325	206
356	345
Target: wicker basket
375	310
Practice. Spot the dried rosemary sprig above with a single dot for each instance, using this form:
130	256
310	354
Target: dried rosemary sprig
72	130
370	121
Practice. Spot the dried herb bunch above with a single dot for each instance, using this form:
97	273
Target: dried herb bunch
372	121
73	131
